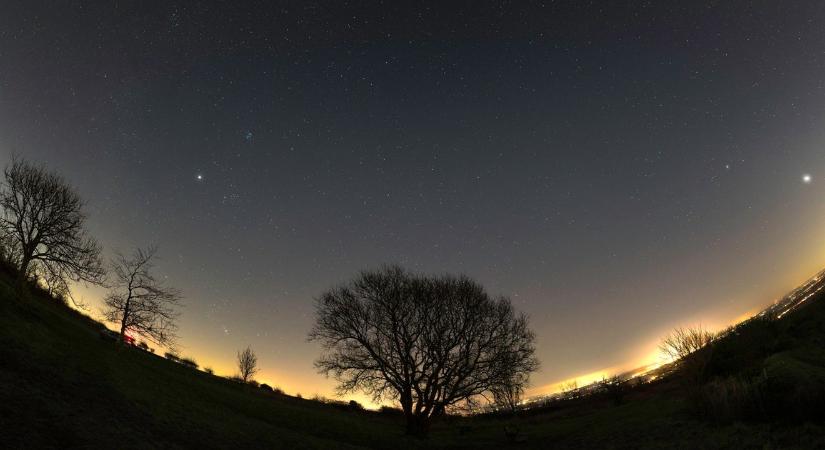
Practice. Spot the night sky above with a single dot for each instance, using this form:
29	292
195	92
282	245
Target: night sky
615	170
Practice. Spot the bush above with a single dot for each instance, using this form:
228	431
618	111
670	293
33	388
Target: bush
355	406
145	347
265	387
615	388
209	370
339	404
745	347
726	400
390	411
188	362
172	356
795	388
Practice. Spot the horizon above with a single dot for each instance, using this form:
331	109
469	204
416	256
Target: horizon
649	361
614	181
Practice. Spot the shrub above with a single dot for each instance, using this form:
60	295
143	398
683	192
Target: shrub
172	356
390	411
209	370
615	388
342	405
726	400
746	345
787	390
795	388
355	406
265	387
188	362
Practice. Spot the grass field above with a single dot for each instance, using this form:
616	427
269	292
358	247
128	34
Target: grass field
62	386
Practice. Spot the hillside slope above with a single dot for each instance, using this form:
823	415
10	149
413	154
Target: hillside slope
62	386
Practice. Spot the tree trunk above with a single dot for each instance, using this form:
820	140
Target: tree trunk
418	425
126	313
22	274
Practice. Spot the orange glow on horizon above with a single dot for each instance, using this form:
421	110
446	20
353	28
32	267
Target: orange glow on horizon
295	381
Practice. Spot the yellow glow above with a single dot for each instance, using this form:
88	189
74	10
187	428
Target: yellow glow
652	357
581	380
743	317
294	380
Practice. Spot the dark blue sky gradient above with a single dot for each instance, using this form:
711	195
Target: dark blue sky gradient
615	170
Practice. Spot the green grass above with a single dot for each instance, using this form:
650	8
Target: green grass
62	386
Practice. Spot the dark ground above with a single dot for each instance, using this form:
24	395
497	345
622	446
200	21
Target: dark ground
62	386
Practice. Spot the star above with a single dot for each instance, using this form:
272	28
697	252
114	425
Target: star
199	177
806	178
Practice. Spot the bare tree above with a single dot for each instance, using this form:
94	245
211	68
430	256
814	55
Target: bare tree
247	364
429	343
43	228
139	302
690	348
570	386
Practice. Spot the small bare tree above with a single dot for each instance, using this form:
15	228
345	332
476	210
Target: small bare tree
570	386
139	302
691	349
247	364
43	228
429	343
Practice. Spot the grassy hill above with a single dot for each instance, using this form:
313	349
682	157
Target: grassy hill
62	386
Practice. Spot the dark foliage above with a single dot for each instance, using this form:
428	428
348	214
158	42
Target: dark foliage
355	406
767	369
429	343
615	388
57	377
188	362
43	230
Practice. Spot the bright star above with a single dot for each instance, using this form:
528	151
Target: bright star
806	178
199	177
